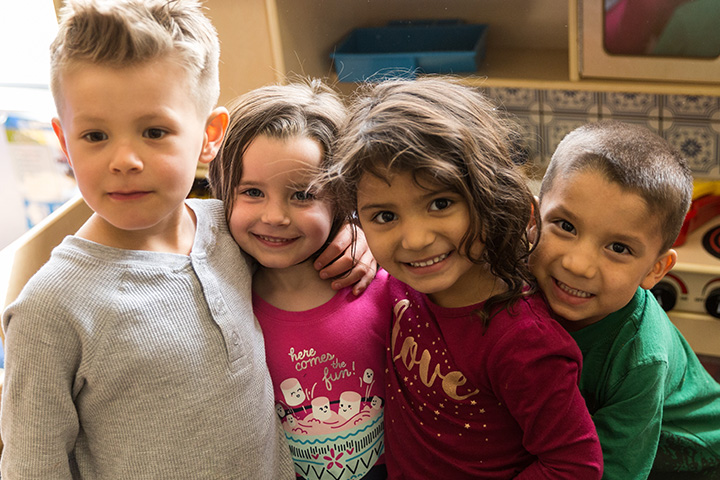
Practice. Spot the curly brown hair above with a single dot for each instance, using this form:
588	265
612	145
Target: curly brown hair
449	133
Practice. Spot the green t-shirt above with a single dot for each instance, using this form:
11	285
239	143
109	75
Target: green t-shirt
654	405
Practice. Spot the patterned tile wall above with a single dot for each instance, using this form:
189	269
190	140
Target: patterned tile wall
691	123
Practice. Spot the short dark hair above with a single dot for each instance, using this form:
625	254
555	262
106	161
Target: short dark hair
634	158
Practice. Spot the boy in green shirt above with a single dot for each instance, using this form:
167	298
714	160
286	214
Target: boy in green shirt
611	205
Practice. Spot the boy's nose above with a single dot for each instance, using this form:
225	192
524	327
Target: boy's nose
125	159
581	263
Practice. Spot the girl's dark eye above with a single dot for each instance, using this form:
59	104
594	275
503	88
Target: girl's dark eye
253	192
440	204
384	217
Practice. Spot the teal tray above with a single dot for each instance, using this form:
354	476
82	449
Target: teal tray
404	49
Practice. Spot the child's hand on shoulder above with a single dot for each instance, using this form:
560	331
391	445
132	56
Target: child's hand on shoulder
351	266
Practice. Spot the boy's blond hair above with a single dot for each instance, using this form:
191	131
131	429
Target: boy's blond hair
634	158
125	33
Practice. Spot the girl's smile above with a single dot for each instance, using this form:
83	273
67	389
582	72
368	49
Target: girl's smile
416	231
275	219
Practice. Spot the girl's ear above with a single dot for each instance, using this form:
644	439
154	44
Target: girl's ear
215	129
663	264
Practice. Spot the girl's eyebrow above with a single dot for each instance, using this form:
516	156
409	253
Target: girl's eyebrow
375	206
249	183
298	186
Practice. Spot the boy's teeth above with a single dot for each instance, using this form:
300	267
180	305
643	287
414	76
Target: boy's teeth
432	261
573	291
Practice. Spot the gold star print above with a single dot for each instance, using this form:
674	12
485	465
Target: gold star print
442	405
437	412
473	402
482	410
467	426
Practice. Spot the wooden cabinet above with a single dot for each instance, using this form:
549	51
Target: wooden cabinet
531	43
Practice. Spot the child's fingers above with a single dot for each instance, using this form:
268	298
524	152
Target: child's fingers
361	275
337	247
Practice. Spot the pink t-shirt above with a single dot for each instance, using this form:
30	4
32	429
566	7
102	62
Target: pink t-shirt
328	370
465	401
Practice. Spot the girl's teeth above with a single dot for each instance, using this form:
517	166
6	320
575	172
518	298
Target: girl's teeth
432	261
573	291
272	239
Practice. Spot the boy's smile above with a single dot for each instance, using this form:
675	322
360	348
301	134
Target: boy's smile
598	244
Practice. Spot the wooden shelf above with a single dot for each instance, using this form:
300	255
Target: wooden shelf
531	43
549	69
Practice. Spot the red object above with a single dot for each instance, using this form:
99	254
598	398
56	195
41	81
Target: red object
702	210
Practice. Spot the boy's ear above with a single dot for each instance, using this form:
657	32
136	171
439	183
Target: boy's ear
532	225
664	263
57	128
215	129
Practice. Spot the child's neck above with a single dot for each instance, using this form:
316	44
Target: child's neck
174	235
296	289
477	285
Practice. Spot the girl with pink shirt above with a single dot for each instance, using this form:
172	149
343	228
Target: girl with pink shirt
325	349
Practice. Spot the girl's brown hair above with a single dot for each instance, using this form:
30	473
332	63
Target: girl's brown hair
304	108
449	134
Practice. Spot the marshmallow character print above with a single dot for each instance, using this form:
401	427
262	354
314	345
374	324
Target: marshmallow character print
292	391
349	404
321	408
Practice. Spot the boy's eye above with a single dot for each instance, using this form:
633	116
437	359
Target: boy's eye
619	248
384	217
154	133
93	137
567	226
440	204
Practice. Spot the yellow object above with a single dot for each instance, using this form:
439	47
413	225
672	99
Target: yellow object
705	187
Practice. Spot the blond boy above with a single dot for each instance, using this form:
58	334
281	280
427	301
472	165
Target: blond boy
133	353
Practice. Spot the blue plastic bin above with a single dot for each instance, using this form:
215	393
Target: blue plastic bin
404	49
